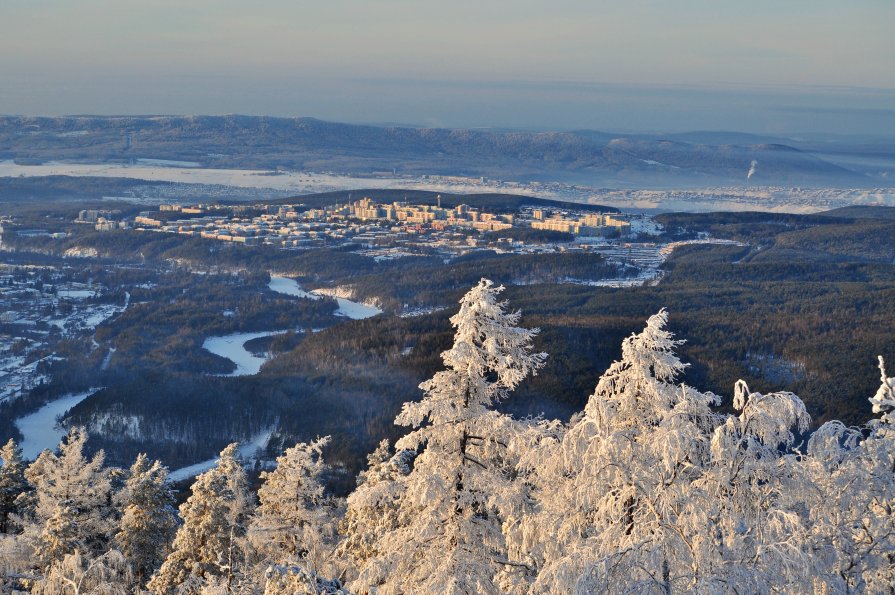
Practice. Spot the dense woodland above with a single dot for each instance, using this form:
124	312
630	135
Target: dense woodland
654	487
810	319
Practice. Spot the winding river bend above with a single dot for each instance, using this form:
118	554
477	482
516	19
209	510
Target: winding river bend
39	429
233	348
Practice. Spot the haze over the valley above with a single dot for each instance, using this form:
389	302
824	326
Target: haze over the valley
797	68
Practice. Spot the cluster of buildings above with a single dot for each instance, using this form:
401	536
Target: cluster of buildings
363	221
590	224
102	220
34	300
414	215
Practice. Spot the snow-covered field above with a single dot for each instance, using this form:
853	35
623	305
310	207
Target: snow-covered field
354	310
247	452
39	428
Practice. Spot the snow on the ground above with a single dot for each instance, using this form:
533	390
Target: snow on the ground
76	294
233	348
669	248
107	359
247	452
100	314
168	163
294	182
39	428
420	311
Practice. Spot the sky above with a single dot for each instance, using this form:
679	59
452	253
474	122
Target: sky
634	65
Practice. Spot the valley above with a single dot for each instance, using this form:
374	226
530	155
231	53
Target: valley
197	341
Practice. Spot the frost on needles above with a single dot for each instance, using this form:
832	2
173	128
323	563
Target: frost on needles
651	489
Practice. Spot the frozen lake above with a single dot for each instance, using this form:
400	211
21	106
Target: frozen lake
187	172
39	428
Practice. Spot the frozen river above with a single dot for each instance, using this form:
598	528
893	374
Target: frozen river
39	428
347	308
233	348
247	452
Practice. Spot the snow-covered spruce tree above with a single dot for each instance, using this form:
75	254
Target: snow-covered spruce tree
209	546
75	574
285	579
12	484
449	538
294	523
748	500
612	491
852	505
73	491
373	508
148	518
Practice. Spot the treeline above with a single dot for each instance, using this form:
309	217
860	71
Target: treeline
415	285
650	488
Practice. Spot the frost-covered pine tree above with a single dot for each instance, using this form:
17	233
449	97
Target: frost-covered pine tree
76	574
12	484
747	500
209	545
852	505
449	536
373	508
74	482
610	493
148	518
295	521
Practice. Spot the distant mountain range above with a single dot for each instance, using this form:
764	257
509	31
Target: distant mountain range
585	157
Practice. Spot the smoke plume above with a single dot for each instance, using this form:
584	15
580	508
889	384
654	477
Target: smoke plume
752	167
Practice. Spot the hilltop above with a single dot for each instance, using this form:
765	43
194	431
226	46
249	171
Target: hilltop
307	144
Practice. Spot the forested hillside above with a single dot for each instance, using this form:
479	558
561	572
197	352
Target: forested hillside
656	486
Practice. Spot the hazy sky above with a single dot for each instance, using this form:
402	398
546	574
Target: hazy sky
611	64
